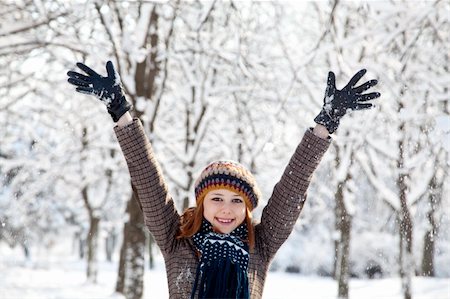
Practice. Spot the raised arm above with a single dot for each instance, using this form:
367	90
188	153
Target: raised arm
160	214
289	194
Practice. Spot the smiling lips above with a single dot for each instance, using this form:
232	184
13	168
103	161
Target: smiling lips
224	221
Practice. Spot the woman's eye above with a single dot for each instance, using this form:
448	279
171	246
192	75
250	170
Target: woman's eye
216	199
237	200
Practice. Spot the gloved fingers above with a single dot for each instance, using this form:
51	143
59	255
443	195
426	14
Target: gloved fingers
368	96
363	106
356	78
87	70
110	70
85	90
78	76
78	82
365	86
331	84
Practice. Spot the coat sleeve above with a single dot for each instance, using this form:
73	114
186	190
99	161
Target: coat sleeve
160	214
289	195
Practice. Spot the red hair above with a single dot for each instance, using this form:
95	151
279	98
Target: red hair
191	221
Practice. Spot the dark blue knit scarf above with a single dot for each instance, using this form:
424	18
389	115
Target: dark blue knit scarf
222	270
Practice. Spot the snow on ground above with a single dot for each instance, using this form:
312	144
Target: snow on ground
55	275
66	280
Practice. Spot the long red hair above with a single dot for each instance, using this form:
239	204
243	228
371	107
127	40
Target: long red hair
191	222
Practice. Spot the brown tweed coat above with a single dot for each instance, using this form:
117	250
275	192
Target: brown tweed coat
162	219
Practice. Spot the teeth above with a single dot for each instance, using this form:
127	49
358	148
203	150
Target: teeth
225	220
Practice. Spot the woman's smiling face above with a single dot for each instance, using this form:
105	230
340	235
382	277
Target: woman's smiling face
224	209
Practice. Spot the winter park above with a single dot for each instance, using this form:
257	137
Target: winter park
224	149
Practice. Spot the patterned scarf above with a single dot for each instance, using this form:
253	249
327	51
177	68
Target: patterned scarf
222	270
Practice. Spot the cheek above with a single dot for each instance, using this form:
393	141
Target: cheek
208	212
240	212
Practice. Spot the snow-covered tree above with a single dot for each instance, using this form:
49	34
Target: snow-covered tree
63	162
410	87
239	80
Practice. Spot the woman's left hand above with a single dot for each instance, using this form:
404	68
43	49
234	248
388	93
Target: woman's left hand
338	102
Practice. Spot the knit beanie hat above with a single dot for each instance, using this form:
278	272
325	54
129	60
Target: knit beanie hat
228	175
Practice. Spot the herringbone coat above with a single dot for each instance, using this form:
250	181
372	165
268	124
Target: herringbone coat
163	220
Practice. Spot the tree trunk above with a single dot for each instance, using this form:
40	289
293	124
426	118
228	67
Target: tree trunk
82	247
132	253
151	243
185	203
190	182
431	233
342	243
26	252
406	257
406	226
130	281
110	244
79	244
92	237
92	248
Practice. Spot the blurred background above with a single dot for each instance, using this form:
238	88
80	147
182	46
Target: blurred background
239	80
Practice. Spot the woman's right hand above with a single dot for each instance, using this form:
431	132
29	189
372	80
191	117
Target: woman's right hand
106	89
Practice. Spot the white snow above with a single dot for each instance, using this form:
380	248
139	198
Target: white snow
260	73
65	279
328	106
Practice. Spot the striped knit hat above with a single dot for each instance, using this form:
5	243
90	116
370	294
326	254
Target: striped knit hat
228	175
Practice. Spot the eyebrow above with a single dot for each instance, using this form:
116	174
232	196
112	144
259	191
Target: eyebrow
222	194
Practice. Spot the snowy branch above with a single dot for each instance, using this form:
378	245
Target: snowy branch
390	197
22	28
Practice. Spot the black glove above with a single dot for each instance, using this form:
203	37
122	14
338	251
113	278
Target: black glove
337	102
107	89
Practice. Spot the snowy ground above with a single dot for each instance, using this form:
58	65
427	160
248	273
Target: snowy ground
66	280
54	275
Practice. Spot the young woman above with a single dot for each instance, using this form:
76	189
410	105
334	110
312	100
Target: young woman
214	250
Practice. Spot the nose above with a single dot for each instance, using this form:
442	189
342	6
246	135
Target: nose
226	208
